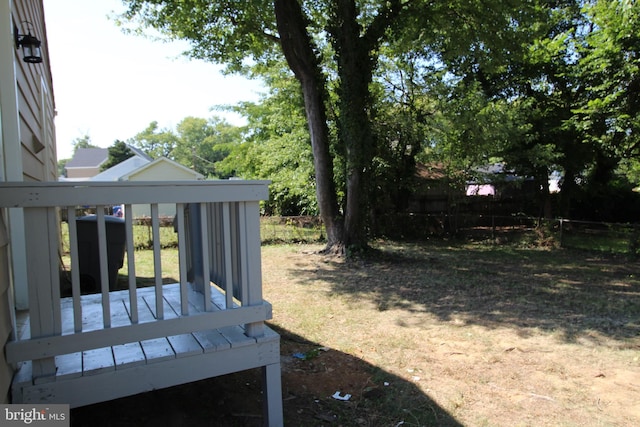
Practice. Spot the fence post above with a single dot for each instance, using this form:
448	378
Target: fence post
561	226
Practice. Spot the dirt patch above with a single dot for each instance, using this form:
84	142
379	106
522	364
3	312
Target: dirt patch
430	334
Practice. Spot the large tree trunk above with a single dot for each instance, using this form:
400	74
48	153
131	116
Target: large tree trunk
298	50
356	58
355	66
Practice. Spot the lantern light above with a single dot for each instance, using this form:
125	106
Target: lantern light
31	51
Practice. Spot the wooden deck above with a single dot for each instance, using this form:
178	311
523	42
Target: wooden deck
85	349
147	364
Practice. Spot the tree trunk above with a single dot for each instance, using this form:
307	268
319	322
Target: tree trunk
354	69
298	50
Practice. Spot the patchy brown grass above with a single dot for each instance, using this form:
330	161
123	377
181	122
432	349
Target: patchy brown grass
432	334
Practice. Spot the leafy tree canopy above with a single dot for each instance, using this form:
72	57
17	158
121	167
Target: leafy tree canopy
118	153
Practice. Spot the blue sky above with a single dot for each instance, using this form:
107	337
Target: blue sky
110	86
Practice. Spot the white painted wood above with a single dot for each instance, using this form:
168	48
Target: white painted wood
272	389
69	366
211	340
206	290
97	361
131	264
75	268
89	348
104	266
128	355
53	239
41	306
43	347
236	336
185	345
227	267
157	350
182	259
157	260
111	384
251	259
31	194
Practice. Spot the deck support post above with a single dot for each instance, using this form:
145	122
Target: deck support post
272	399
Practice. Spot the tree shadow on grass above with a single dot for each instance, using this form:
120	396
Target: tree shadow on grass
570	292
311	374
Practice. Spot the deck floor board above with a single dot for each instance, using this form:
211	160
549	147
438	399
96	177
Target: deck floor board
148	364
92	362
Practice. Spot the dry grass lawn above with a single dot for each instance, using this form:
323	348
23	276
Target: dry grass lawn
431	334
495	336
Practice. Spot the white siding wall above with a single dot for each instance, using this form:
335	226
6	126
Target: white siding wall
27	150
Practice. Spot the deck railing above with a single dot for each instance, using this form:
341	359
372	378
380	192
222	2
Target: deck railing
219	256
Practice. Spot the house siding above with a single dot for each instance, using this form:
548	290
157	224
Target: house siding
82	172
35	100
6	302
27	146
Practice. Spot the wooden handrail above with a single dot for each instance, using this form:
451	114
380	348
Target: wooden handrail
218	239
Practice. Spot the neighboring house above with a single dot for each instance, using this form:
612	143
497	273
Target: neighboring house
115	173
497	181
138	168
27	148
434	189
86	163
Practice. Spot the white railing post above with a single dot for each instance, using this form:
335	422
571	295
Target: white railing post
252	257
44	287
131	263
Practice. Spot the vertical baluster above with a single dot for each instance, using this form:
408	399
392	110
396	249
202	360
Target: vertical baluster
216	243
157	262
104	265
182	259
204	230
234	253
228	269
75	269
54	267
240	252
131	264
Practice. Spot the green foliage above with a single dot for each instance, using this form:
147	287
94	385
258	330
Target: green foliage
609	113
538	86
82	142
277	149
118	153
201	143
155	142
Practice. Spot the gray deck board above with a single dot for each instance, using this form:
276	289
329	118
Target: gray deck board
92	362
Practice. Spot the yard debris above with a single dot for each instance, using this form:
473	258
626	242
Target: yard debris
311	354
339	396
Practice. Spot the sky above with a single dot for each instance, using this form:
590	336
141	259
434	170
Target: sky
110	85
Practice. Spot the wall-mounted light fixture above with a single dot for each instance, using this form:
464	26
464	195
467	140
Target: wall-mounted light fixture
31	51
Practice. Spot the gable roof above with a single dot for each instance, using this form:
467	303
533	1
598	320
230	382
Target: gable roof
115	173
159	161
139	152
136	165
88	158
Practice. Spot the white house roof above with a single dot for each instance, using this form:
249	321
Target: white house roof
115	173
